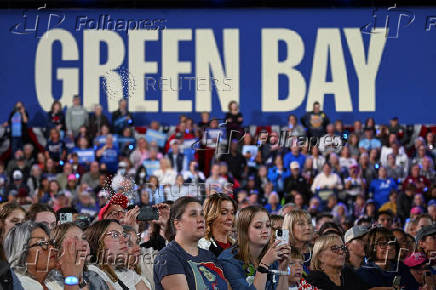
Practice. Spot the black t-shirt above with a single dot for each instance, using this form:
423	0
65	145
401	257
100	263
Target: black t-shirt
55	149
350	280
202	271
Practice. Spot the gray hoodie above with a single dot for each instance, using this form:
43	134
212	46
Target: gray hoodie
77	116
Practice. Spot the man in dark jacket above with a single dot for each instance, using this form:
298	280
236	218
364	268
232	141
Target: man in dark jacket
177	159
296	182
315	121
405	200
236	162
121	118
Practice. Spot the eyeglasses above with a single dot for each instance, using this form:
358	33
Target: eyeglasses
116	234
43	244
49	225
339	249
385	244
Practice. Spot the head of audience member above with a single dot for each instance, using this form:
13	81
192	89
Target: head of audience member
186	222
295	149
299	224
28	151
330	129
253	231
108	243
370	208
385	219
423	220
287	208
414	213
29	250
329	253
406	248
76	100
426	240
56	107
68	236
40	213
98	110
133	242
273	199
355	241
314	205
205	117
11	214
327	169
332	201
418	265
330	228
276	222
296	261
369	133
219	214
323	218
295	168
431	209
414	170
115	208
215	170
316	107
419	200
381	247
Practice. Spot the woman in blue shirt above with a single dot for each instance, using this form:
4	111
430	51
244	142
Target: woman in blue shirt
182	264
248	264
277	174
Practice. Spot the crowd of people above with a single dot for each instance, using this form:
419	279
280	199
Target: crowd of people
314	205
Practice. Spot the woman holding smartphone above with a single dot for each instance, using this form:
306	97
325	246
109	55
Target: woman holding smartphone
248	264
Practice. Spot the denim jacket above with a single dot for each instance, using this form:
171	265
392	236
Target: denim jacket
237	276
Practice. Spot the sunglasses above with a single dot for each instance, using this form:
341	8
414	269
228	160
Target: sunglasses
116	235
339	249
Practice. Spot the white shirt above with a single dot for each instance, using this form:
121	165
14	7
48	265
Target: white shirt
129	278
29	283
321	180
169	177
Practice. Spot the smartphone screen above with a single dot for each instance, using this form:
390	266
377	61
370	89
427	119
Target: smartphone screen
148	213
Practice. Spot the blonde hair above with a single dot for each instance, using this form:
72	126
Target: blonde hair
322	243
211	208
245	216
291	218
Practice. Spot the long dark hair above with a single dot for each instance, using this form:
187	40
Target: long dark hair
176	212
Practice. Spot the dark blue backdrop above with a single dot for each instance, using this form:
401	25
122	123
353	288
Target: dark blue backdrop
405	85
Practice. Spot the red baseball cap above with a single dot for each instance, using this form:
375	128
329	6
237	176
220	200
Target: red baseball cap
416	259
